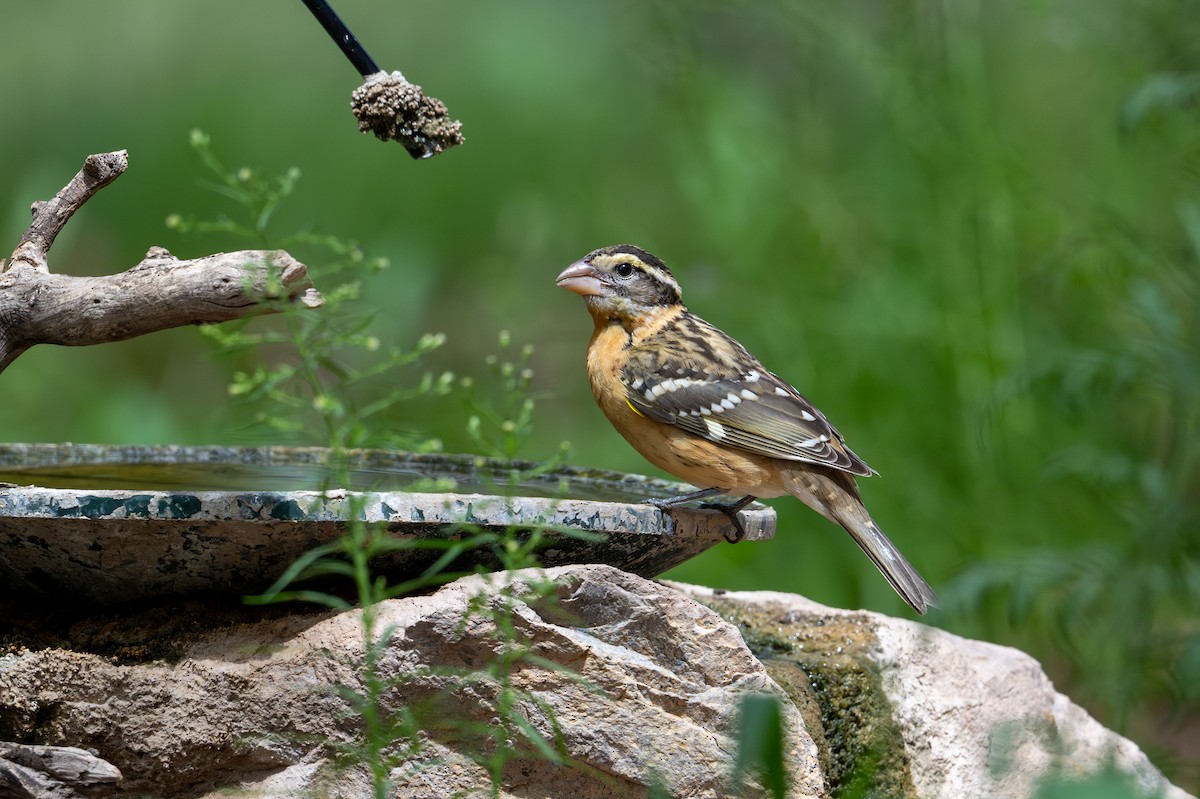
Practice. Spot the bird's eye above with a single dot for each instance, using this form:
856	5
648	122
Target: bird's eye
624	270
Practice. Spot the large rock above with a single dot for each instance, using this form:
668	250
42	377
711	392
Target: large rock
635	683
642	683
949	717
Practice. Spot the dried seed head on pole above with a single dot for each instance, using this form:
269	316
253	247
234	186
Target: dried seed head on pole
386	103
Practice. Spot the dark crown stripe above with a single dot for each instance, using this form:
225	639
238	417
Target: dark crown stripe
643	256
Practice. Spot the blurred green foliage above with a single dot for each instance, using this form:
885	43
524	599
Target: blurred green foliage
761	743
967	231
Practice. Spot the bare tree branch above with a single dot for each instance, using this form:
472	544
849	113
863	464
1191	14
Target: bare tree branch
38	307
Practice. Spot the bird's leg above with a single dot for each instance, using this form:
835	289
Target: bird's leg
729	509
683	499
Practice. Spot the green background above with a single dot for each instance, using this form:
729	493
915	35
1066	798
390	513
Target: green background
960	228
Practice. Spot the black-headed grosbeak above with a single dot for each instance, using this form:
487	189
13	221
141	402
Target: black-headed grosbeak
697	404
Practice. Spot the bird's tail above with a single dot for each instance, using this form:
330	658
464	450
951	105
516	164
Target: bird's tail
834	495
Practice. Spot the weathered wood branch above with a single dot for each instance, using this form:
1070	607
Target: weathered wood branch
38	307
50	772
161	292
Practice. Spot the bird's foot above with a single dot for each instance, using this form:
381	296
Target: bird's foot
732	509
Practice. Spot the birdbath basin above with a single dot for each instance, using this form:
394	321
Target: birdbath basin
117	524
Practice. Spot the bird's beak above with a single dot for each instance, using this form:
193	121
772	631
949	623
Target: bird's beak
580	278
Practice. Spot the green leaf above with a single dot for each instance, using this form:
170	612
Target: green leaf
761	743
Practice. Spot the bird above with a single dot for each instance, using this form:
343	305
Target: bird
696	404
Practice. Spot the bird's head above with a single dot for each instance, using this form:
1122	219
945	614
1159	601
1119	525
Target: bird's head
621	282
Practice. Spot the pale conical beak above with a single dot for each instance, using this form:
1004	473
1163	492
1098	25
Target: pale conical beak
580	278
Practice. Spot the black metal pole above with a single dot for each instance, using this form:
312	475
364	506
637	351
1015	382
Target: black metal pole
342	36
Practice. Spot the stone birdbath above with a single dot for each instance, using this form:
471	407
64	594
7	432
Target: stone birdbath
118	524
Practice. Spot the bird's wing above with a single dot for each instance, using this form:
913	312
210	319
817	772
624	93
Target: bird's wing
730	398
